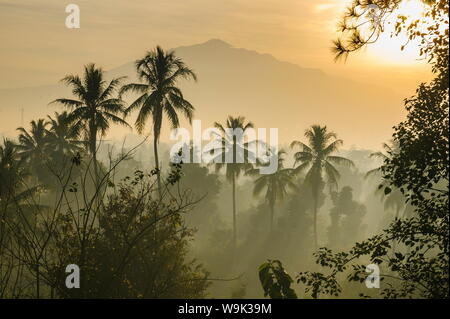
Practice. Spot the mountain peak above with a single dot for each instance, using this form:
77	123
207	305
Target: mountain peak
217	43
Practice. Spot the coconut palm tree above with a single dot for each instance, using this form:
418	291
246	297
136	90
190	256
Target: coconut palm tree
383	156
276	184
317	160
33	145
11	172
395	200
62	135
159	73
12	176
95	106
232	146
14	192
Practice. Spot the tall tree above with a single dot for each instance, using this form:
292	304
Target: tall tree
63	135
95	107
159	73
317	160
420	170
13	175
346	219
395	200
11	171
276	184
233	146
33	146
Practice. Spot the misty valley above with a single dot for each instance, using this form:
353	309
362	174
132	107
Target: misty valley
210	171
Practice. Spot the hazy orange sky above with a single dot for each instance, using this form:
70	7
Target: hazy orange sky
37	49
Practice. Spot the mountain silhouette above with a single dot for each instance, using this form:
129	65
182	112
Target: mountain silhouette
269	92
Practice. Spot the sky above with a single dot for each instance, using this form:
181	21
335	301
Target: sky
36	48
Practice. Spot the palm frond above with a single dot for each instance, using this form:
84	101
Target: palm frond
339	160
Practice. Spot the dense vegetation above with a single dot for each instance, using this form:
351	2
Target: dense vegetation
188	230
413	250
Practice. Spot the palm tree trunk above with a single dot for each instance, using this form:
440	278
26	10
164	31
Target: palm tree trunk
96	175
234	210
158	178
158	173
93	151
315	220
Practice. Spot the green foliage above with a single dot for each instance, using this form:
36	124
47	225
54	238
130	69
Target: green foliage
47	149
275	281
362	24
346	219
234	145
127	242
159	73
96	106
199	181
419	266
138	250
317	159
12	172
277	184
392	196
